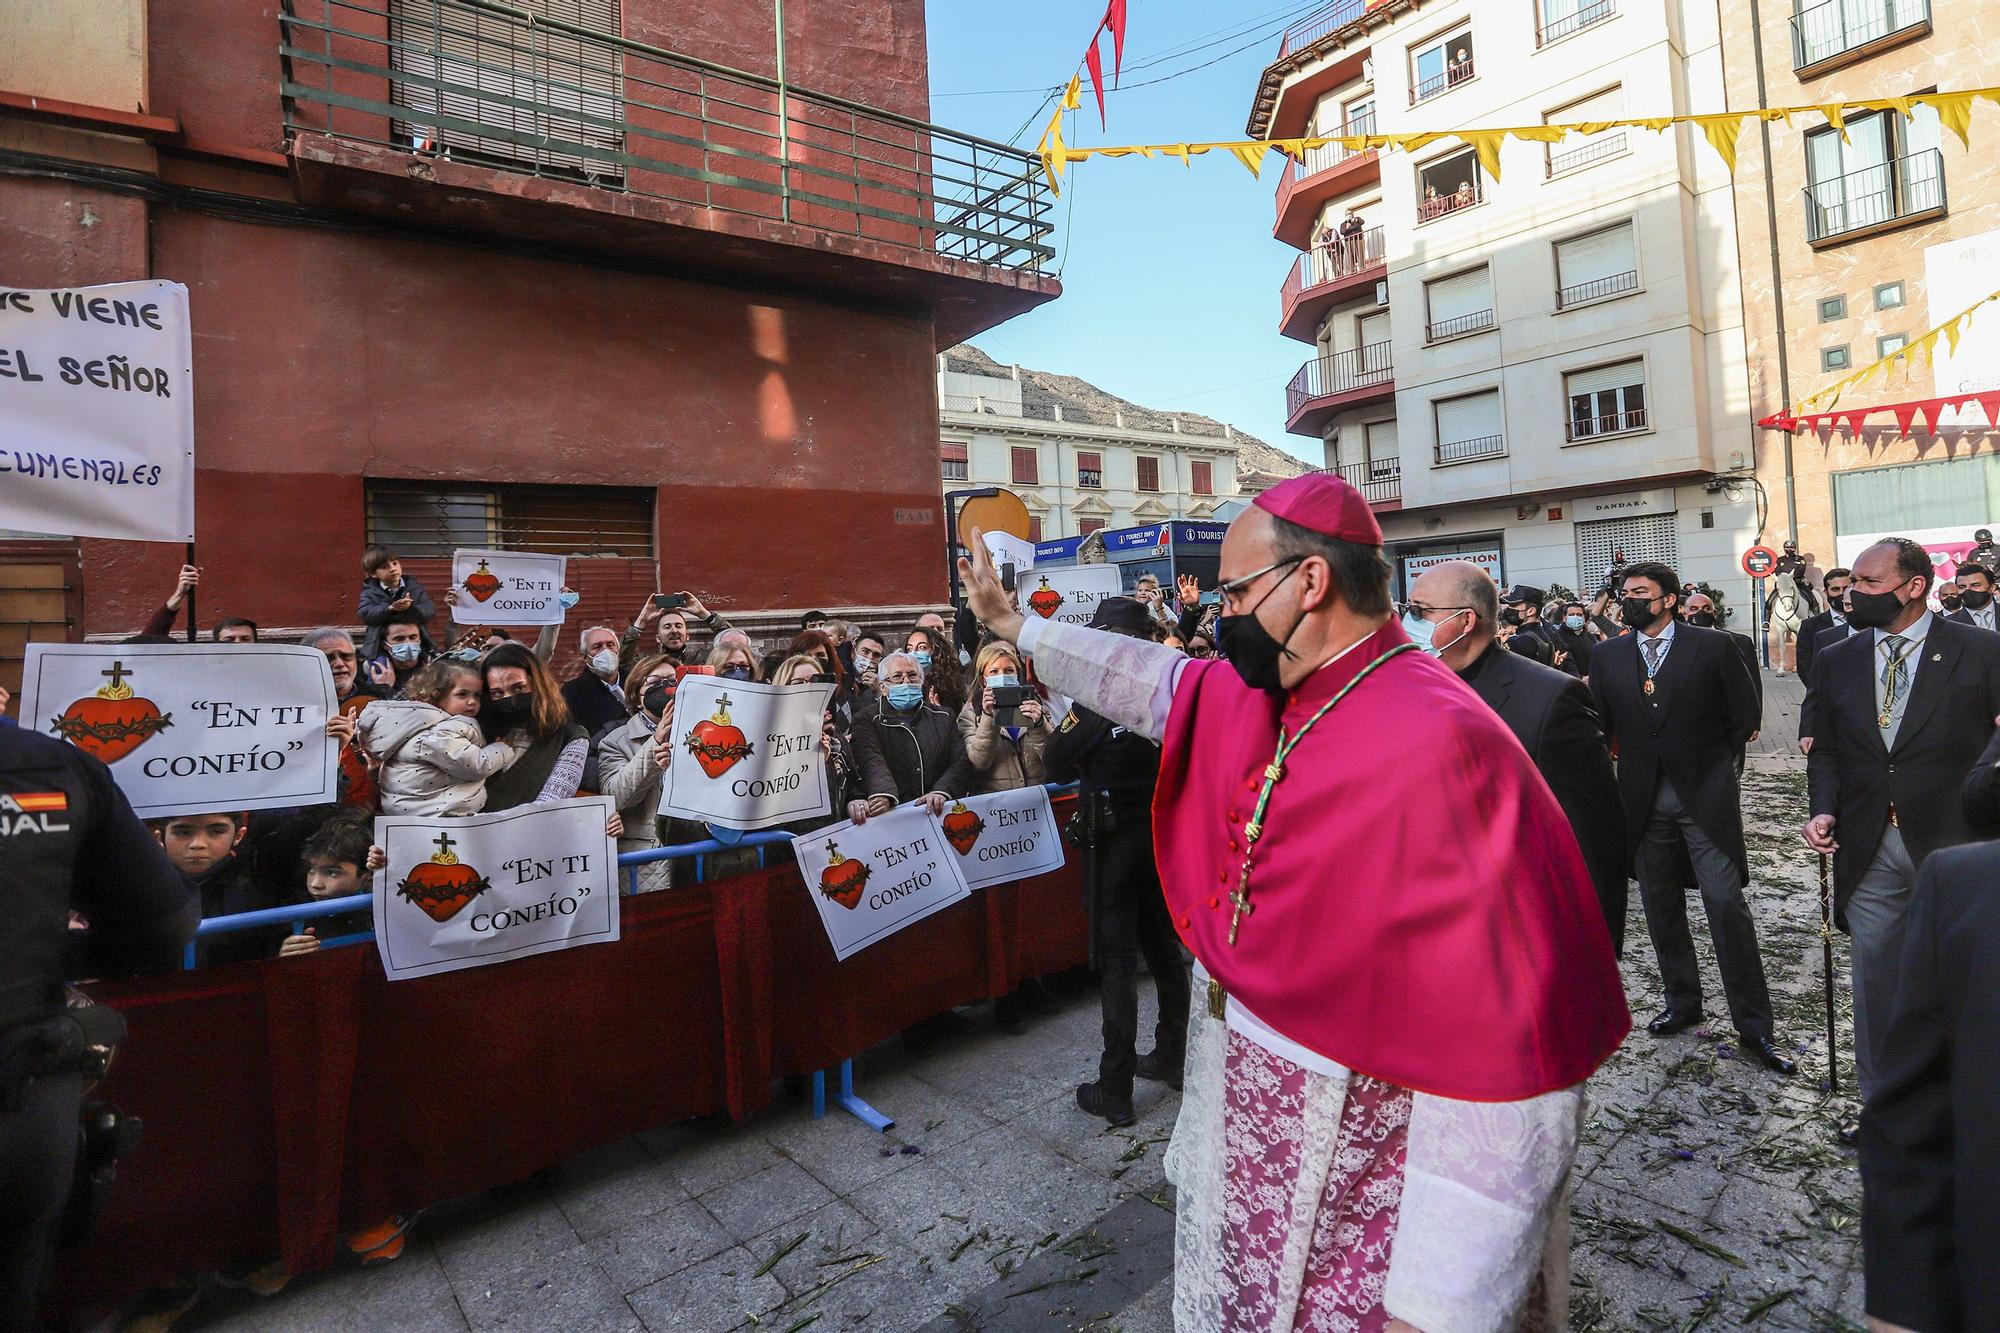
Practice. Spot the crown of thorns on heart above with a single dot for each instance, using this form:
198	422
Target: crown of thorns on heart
716	741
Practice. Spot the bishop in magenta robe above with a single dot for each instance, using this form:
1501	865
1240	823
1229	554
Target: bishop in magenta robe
1402	976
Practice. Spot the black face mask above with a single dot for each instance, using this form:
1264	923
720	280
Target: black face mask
1638	611
512	708
656	699
1245	644
1702	619
1975	599
1872	610
1510	615
1948	600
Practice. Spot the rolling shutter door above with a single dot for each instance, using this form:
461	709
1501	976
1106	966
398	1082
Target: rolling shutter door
1593	258
1473	417
1605	377
1462	294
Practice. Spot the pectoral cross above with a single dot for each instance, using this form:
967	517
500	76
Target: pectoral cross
117	674
445	844
1240	900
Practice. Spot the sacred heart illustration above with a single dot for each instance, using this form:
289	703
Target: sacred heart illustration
1044	600
112	723
843	879
443	885
482	583
962	828
718	744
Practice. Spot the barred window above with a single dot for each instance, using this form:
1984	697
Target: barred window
422	519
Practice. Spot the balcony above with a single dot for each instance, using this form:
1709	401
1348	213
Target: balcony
1554	30
1598	148
463	115
1875	199
1598	289
1467	195
1327	384
1330	275
1465	451
1580	429
1833	33
1380	481
1478	321
1437	85
1325	173
1322	22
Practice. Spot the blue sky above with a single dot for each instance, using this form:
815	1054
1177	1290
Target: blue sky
1170	275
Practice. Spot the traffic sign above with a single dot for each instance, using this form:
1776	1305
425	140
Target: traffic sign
1759	561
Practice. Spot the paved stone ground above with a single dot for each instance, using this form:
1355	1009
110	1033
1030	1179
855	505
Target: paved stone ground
1707	1193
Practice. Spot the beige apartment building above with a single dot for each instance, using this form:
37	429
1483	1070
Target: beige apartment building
1853	246
1534	373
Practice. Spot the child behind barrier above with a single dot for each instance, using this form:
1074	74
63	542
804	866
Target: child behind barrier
336	866
434	758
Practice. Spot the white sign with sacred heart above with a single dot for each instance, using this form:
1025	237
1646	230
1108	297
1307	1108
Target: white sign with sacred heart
871	880
1068	596
478	889
1003	836
747	756
508	588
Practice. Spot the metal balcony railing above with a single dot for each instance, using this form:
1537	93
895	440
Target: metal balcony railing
1343	257
481	82
1576	20
1452	328
1443	82
1430	209
1461	451
1378	479
1324	158
1831	29
1329	19
1615	423
1903	187
1342	372
1596	149
1597	289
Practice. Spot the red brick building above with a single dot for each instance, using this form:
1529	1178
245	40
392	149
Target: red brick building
553	275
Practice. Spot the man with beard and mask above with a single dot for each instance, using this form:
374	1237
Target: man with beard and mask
1344	942
1117	769
1680	705
1904	709
1975	598
1450	615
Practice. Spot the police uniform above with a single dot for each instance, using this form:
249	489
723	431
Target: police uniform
69	840
1117	770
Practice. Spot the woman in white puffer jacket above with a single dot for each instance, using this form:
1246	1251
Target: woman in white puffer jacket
434	758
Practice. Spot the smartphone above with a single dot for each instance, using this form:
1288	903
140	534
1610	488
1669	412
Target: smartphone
1007	704
670	601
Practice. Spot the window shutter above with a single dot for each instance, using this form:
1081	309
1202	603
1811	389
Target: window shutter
1381	443
1149	473
1459	295
1607	105
1202	478
952	453
1600	378
1089	462
1592	258
1473	417
1027	471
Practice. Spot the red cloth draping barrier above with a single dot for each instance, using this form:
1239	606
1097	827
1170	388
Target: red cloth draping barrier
287	1102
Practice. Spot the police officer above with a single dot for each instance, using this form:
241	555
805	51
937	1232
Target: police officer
1983	551
68	841
1117	770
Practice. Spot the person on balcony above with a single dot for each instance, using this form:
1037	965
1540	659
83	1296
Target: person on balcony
1351	259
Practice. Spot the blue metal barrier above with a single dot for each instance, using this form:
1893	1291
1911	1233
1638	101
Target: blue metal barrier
295	916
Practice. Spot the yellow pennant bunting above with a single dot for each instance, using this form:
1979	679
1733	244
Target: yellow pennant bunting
1951	333
1951	330
1722	132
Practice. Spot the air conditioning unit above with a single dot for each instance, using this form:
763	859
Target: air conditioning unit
1381	291
1368	69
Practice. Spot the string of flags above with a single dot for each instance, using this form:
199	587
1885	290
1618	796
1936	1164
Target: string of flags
1934	414
1950	331
1721	129
1113	22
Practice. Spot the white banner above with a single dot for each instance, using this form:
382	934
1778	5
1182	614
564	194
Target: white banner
1953	274
97	412
1068	595
486	888
508	588
747	756
191	728
1003	836
871	880
1009	550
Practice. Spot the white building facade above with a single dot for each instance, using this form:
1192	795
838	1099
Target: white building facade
1537	371
1076	469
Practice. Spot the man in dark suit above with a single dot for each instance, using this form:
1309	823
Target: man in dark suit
1551	714
1521	606
1835	615
1699	609
1903	709
1680	705
1975	598
1930	1183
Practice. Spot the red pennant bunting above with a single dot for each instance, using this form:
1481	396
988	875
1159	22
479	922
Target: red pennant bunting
1989	403
1851	422
1114	19
1095	64
1926	412
1905	412
1816	424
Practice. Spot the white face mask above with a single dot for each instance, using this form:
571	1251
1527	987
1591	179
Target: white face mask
1423	633
604	661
